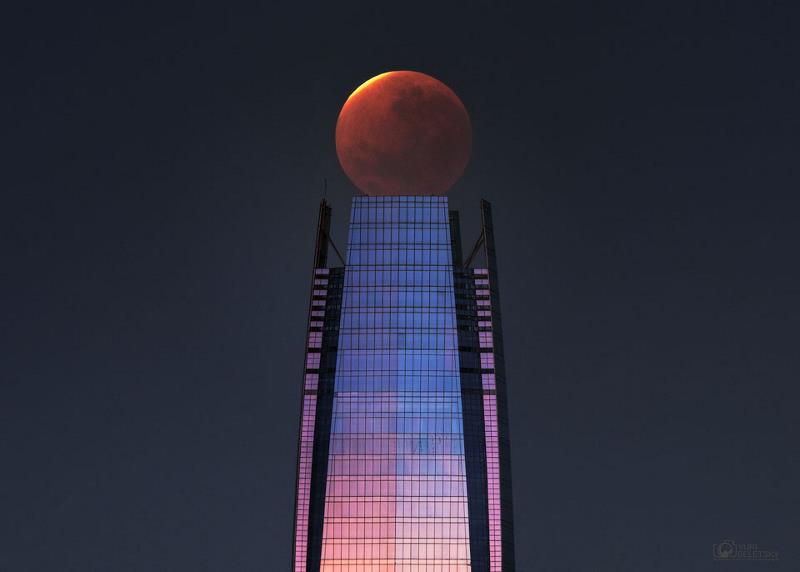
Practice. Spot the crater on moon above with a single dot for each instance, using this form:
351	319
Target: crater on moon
403	133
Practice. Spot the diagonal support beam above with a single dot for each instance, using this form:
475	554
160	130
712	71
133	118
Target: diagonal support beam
475	250
336	250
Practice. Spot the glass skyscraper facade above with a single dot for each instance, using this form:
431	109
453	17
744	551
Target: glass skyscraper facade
403	461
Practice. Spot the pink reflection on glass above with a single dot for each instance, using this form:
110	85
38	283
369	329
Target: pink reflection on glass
314	339
304	482
493	481
312	361
312	381
396	496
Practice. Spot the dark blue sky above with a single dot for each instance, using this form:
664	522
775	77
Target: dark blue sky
162	169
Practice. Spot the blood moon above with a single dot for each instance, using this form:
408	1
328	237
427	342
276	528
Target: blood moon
403	133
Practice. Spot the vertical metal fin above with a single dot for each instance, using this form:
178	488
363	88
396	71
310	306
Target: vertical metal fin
455	239
323	231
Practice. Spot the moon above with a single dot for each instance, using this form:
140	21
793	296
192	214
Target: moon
403	133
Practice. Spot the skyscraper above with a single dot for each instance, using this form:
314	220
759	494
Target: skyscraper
403	460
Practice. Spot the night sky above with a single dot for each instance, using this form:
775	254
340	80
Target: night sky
162	168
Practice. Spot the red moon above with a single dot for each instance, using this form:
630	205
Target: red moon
403	133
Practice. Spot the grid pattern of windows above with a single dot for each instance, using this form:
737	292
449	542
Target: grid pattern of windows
304	481
493	482
488	383
306	446
396	493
